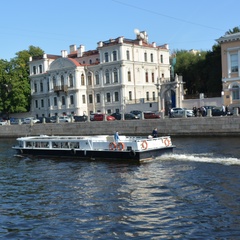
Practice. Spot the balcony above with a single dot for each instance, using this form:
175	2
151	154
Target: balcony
62	88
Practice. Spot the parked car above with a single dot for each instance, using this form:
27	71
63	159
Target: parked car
64	119
30	119
83	118
136	112
217	111
179	112
3	122
150	115
127	116
47	119
16	121
100	117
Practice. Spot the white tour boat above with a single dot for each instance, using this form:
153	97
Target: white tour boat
95	147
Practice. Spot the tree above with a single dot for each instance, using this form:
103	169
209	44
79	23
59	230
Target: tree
15	91
201	71
234	30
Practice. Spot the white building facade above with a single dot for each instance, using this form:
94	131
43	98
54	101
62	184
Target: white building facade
119	76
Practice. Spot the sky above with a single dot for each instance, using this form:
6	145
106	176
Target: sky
54	25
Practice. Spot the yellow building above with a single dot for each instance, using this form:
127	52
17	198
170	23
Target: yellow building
230	53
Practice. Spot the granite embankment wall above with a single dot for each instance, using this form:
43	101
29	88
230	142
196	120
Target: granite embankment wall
195	126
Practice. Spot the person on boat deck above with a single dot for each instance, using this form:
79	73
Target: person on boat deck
155	133
116	137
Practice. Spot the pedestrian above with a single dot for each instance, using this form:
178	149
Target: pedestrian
154	133
116	137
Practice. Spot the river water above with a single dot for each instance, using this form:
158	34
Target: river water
190	194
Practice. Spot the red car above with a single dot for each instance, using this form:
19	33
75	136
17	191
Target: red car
100	117
150	115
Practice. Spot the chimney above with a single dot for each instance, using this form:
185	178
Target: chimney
73	48
64	53
80	51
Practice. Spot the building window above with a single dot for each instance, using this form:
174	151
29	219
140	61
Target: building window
235	92
114	55
90	61
154	96
41	86
107	77
116	97
70	80
128	55
36	103
147	96
115	75
146	76
42	103
106	57
83	99
54	81
48	86
151	57
82	80
108	97
40	69
62	80
234	62
34	70
129	76
97	78
55	101
71	100
145	57
98	98
35	87
48	102
130	95
153	77
89	79
90	98
63	100
161	58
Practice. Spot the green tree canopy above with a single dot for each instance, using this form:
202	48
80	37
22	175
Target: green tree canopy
15	91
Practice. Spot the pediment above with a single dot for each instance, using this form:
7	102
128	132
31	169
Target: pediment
61	63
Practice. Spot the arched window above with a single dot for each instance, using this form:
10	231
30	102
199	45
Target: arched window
40	69
97	78
89	79
115	75
129	76
62	80
235	92
107	77
54	81
82	80
128	55
63	100
70	80
146	76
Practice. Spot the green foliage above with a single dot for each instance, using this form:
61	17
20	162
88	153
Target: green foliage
234	30
201	71
15	92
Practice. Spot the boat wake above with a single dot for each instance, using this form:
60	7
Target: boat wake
205	158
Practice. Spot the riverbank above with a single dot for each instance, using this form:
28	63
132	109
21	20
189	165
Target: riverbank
197	126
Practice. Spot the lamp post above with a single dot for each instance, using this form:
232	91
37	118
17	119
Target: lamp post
158	86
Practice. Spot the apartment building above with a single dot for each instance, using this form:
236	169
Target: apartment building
230	54
120	75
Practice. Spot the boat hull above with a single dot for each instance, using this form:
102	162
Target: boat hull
98	154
